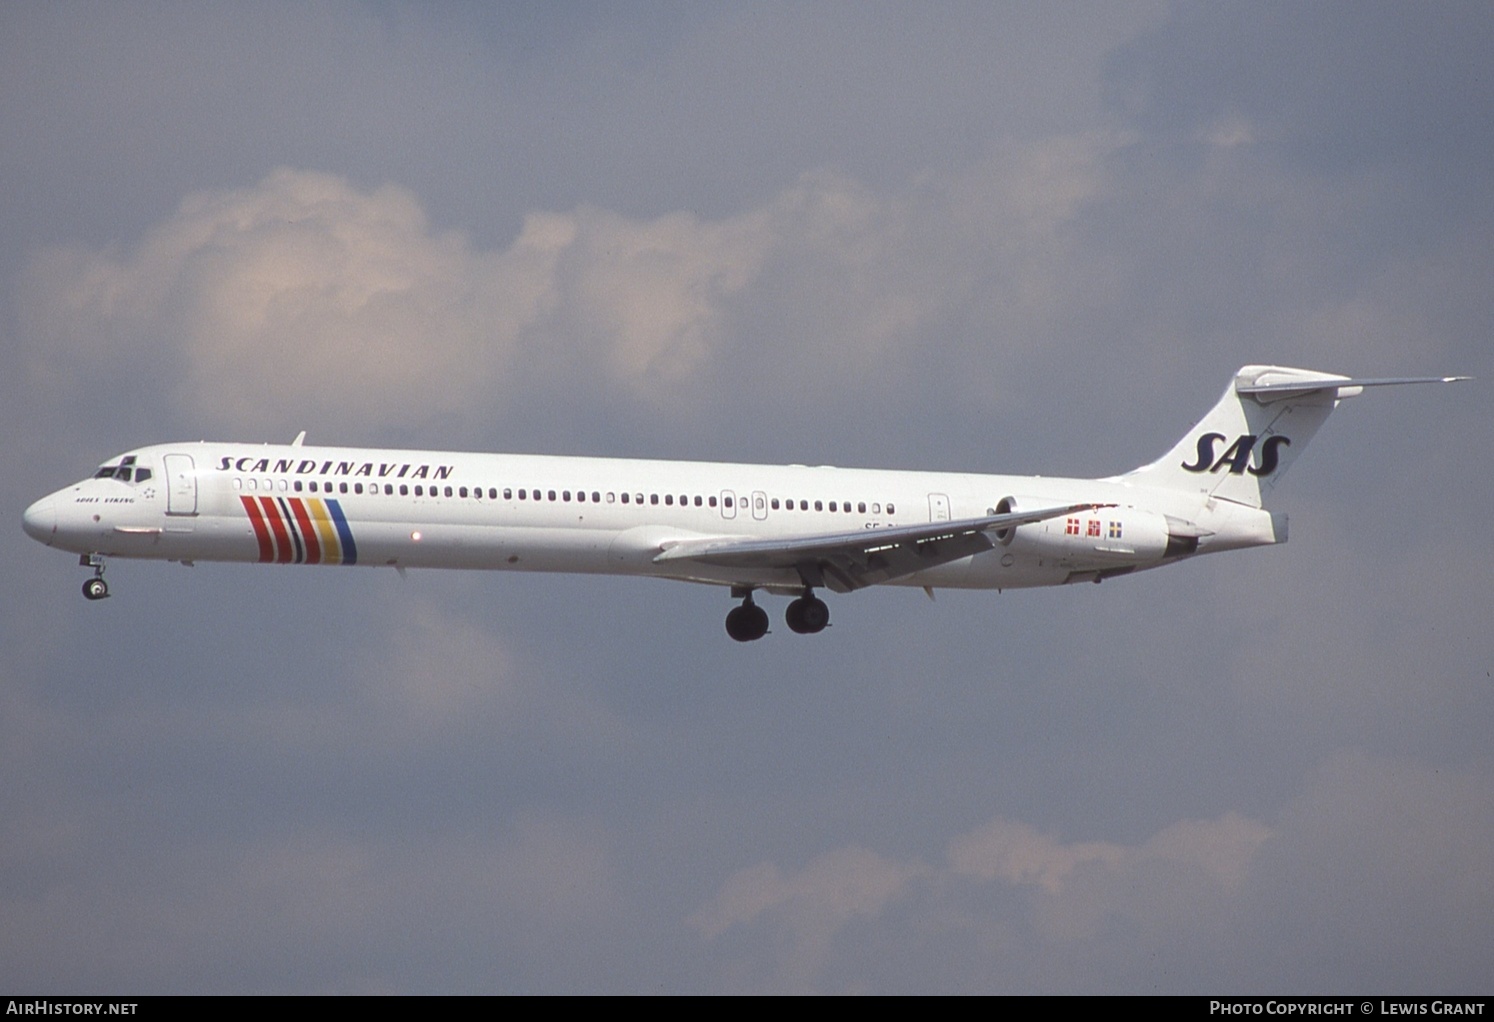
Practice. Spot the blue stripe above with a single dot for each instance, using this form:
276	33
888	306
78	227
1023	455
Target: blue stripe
349	548
294	528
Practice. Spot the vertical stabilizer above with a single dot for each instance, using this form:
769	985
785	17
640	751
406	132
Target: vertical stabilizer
1242	448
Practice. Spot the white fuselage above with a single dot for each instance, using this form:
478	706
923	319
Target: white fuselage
441	509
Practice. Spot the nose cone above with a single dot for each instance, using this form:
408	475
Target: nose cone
40	520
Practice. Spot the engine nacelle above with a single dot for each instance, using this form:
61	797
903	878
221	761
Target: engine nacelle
1103	538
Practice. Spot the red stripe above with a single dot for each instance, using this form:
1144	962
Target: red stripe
282	538
266	547
308	531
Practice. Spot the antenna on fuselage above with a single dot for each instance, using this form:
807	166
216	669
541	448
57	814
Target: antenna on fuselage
299	438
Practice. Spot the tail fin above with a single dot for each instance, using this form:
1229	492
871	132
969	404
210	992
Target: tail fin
1242	448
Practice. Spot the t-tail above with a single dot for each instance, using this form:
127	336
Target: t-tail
1242	448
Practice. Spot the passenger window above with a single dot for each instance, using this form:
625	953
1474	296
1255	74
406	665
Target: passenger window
508	494
238	484
357	487
566	496
653	498
462	491
342	487
861	508
775	503
610	496
876	508
669	499
711	501
889	509
625	498
818	506
552	494
726	501
596	497
388	489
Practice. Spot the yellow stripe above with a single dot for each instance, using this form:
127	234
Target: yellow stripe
326	532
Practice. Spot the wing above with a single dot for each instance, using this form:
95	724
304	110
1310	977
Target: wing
845	561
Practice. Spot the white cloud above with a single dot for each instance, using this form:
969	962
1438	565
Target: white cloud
833	888
1067	892
304	291
1230	132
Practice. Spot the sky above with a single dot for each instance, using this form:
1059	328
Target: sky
1026	238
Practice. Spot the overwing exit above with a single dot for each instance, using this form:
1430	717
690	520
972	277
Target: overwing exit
778	529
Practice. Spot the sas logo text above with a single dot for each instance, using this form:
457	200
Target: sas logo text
1237	456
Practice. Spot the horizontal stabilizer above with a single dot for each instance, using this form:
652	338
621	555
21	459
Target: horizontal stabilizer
1340	384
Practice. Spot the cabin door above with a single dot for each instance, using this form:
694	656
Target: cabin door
181	485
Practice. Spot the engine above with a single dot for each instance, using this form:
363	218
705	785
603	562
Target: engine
1104	538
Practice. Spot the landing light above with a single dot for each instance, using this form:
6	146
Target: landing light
415	536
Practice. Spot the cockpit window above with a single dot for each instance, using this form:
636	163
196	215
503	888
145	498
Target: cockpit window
126	471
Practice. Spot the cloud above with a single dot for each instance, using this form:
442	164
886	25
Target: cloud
1378	865
1066	894
304	291
833	888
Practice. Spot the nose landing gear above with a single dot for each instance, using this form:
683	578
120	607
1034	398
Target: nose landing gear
747	622
95	588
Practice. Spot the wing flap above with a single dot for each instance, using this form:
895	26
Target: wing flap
846	561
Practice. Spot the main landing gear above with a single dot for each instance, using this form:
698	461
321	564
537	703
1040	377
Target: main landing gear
95	588
807	615
747	622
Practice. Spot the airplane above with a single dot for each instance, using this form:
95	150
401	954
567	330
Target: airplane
779	529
